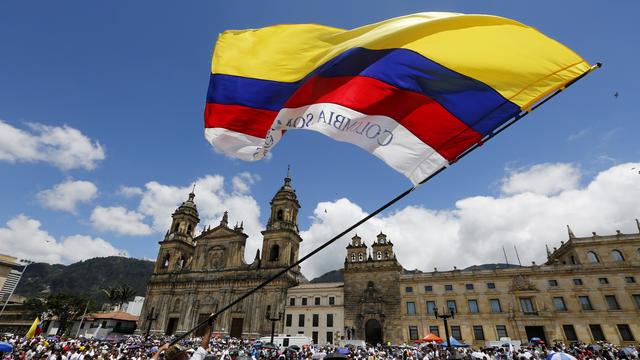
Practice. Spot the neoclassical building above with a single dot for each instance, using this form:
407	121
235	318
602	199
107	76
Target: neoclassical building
587	290
195	274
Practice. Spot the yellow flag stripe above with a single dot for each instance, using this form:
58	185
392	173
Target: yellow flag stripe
519	62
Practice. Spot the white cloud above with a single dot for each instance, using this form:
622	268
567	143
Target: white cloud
62	146
243	181
119	220
23	238
543	179
65	196
130	191
477	228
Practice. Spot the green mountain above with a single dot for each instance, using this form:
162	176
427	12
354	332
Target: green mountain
87	277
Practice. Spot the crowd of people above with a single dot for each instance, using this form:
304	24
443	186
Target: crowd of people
225	348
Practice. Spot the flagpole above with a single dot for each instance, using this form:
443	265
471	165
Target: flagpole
488	137
82	319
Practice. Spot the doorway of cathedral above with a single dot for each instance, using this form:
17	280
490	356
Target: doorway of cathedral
171	326
236	327
373	332
535	332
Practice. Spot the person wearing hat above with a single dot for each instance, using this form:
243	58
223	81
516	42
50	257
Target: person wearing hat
179	352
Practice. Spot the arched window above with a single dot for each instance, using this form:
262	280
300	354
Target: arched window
361	257
292	257
189	228
379	255
353	257
573	260
181	262
592	257
386	254
274	252
280	215
616	255
165	261
176	227
638	252
268	310
176	305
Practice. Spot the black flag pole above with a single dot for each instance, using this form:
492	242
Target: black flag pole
400	196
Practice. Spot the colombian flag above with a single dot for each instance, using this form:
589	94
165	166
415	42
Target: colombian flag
35	329
415	91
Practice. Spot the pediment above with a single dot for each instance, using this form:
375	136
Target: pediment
220	232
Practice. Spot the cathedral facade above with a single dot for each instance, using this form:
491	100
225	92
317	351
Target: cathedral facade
196	275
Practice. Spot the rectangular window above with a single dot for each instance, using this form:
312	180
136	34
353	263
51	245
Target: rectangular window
304	301
603	281
434	330
292	302
469	286
411	308
612	302
315	319
316	301
636	299
451	304
301	320
526	304
558	303
596	332
332	300
473	306
553	283
502	331
329	320
630	279
495	305
570	333
288	320
408	289
428	288
585	303
478	332
491	285
413	332
455	332
330	337
314	337
577	281
431	307
448	287
625	332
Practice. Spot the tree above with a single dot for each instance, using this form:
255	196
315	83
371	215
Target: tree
126	293
67	307
119	294
35	307
113	294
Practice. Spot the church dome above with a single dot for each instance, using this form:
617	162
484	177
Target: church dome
188	206
286	192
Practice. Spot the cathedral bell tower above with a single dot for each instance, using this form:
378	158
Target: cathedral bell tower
176	250
281	243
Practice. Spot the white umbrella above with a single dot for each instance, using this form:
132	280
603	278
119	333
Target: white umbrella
318	355
560	356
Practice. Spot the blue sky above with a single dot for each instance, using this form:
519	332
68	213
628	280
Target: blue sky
128	80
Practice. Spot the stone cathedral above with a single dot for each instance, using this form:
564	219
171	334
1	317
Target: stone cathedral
195	275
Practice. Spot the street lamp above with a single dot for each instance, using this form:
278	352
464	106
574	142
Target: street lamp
451	314
273	322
